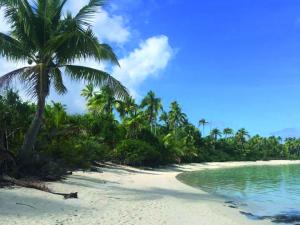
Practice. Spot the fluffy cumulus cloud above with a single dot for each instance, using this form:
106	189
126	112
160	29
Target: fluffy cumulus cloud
146	61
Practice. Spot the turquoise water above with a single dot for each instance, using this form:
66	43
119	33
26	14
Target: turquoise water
259	190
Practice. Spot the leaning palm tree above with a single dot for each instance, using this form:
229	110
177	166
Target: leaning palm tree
203	123
51	42
153	106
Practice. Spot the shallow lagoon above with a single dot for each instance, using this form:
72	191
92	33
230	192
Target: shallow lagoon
261	191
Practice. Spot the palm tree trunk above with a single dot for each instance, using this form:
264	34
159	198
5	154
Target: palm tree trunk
31	135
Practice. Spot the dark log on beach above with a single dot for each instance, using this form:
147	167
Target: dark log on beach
38	186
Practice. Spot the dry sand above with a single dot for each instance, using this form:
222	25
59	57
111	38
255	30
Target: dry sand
123	195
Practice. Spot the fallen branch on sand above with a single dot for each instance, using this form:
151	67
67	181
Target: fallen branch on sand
38	186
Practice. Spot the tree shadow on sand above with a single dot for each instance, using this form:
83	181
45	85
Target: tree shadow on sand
132	194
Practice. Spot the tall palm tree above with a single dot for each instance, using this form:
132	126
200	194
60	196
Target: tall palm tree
227	131
50	43
176	116
153	106
203	123
215	133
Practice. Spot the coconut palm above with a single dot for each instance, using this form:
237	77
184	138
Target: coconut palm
241	135
153	106
227	131
134	124
51	43
56	114
203	123
127	108
103	102
215	133
88	91
164	117
176	116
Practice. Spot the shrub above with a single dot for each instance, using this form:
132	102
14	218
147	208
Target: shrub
137	153
75	152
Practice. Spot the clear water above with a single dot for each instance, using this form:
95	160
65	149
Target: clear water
260	190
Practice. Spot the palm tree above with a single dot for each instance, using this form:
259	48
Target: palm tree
176	116
227	132
215	133
127	108
50	43
164	117
103	102
203	123
242	135
88	92
153	106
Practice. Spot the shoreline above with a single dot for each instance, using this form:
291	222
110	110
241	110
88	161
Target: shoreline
125	195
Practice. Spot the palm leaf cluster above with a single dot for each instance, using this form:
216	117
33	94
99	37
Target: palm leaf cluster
51	42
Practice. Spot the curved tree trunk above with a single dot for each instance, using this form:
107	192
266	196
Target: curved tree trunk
31	135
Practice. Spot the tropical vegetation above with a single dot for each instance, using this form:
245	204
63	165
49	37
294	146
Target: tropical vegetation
125	132
41	138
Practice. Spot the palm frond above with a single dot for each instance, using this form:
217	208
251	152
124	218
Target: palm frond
6	79
97	77
76	43
58	81
85	14
57	6
20	15
12	49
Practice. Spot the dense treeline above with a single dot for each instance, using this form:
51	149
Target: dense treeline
128	133
44	140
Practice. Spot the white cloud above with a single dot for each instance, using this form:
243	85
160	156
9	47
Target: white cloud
111	28
152	56
147	60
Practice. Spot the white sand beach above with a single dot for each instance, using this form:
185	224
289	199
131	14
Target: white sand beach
123	195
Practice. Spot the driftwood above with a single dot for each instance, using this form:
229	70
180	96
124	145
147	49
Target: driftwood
38	186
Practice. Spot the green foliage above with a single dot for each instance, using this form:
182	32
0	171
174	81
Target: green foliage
77	141
51	42
136	153
75	152
15	117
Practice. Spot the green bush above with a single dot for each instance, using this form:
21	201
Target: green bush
75	152
137	153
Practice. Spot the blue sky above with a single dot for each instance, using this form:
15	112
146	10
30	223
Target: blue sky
235	63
